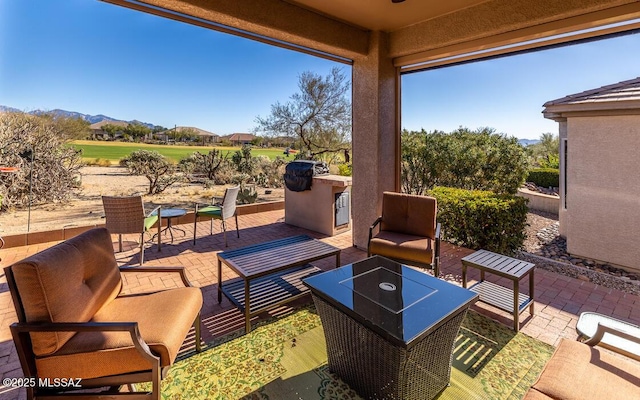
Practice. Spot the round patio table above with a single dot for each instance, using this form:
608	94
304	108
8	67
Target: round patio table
169	214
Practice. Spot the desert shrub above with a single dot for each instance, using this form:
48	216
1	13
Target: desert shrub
464	159
98	162
545	177
206	165
270	174
160	172
482	219
225	174
247	194
244	162
48	170
345	169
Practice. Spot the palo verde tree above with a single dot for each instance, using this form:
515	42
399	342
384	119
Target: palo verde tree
318	116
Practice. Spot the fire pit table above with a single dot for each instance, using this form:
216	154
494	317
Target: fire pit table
389	328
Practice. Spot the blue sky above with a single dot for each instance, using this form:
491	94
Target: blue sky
97	58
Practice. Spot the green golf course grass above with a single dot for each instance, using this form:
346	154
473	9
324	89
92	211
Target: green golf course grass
114	151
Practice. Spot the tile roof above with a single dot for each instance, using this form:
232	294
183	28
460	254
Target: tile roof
617	92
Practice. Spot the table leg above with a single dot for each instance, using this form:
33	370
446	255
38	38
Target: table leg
219	281
464	276
247	307
516	303
169	228
482	275
531	290
337	259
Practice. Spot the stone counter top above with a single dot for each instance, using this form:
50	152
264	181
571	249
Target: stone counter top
333	180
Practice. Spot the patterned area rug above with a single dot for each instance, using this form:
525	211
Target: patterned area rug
286	359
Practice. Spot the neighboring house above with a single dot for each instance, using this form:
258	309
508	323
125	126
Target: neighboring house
204	136
238	139
600	172
98	133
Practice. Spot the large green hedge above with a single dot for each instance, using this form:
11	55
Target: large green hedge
545	177
481	219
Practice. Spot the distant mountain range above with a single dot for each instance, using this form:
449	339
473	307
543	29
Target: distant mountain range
92	119
528	142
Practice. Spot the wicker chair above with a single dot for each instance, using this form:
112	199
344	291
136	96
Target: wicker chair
408	231
126	215
223	211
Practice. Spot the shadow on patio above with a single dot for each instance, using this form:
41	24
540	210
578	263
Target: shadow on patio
558	301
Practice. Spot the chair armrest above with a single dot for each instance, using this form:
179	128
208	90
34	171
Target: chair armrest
154	210
602	329
371	228
438	228
179	270
131	327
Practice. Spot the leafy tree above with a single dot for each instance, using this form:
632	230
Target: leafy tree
48	168
319	115
70	128
137	131
112	130
545	153
464	159
160	172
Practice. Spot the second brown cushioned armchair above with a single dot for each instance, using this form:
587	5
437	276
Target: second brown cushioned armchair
408	231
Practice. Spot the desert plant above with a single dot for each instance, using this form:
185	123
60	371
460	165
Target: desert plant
160	172
247	194
270	173
243	160
345	169
206	164
48	170
474	160
482	219
545	177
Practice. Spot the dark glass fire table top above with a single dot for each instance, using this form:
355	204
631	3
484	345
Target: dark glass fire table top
398	302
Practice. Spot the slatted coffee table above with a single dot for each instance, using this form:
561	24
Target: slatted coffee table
271	272
511	268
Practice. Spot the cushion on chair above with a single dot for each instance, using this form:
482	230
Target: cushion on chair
164	319
578	371
410	214
150	221
402	246
68	282
210	210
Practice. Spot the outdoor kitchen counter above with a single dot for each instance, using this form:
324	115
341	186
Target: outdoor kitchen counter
333	180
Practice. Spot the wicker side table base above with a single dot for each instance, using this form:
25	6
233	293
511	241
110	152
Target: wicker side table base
377	369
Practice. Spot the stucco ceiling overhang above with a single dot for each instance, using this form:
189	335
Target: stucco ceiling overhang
418	29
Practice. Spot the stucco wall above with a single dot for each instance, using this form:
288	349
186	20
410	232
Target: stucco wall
603	189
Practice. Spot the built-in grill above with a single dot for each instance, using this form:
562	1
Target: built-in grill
323	208
299	174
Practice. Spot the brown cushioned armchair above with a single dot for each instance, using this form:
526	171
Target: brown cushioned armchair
74	322
408	231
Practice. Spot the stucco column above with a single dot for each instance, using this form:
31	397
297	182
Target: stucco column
375	113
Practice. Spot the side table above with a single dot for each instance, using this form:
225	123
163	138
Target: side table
169	214
490	293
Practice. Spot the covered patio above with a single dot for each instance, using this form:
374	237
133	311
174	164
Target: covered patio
559	299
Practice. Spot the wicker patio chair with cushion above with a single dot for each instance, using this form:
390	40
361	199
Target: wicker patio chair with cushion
221	211
126	215
74	322
408	231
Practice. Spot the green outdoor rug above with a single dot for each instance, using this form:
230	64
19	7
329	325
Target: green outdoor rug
286	359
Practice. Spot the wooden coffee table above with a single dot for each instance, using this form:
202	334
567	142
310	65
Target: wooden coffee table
271	272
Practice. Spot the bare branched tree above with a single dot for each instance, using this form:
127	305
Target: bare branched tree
47	168
319	115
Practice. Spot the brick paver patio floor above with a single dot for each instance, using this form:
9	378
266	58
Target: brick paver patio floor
559	300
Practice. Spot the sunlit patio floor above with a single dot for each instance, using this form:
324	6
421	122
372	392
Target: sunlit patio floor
559	299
